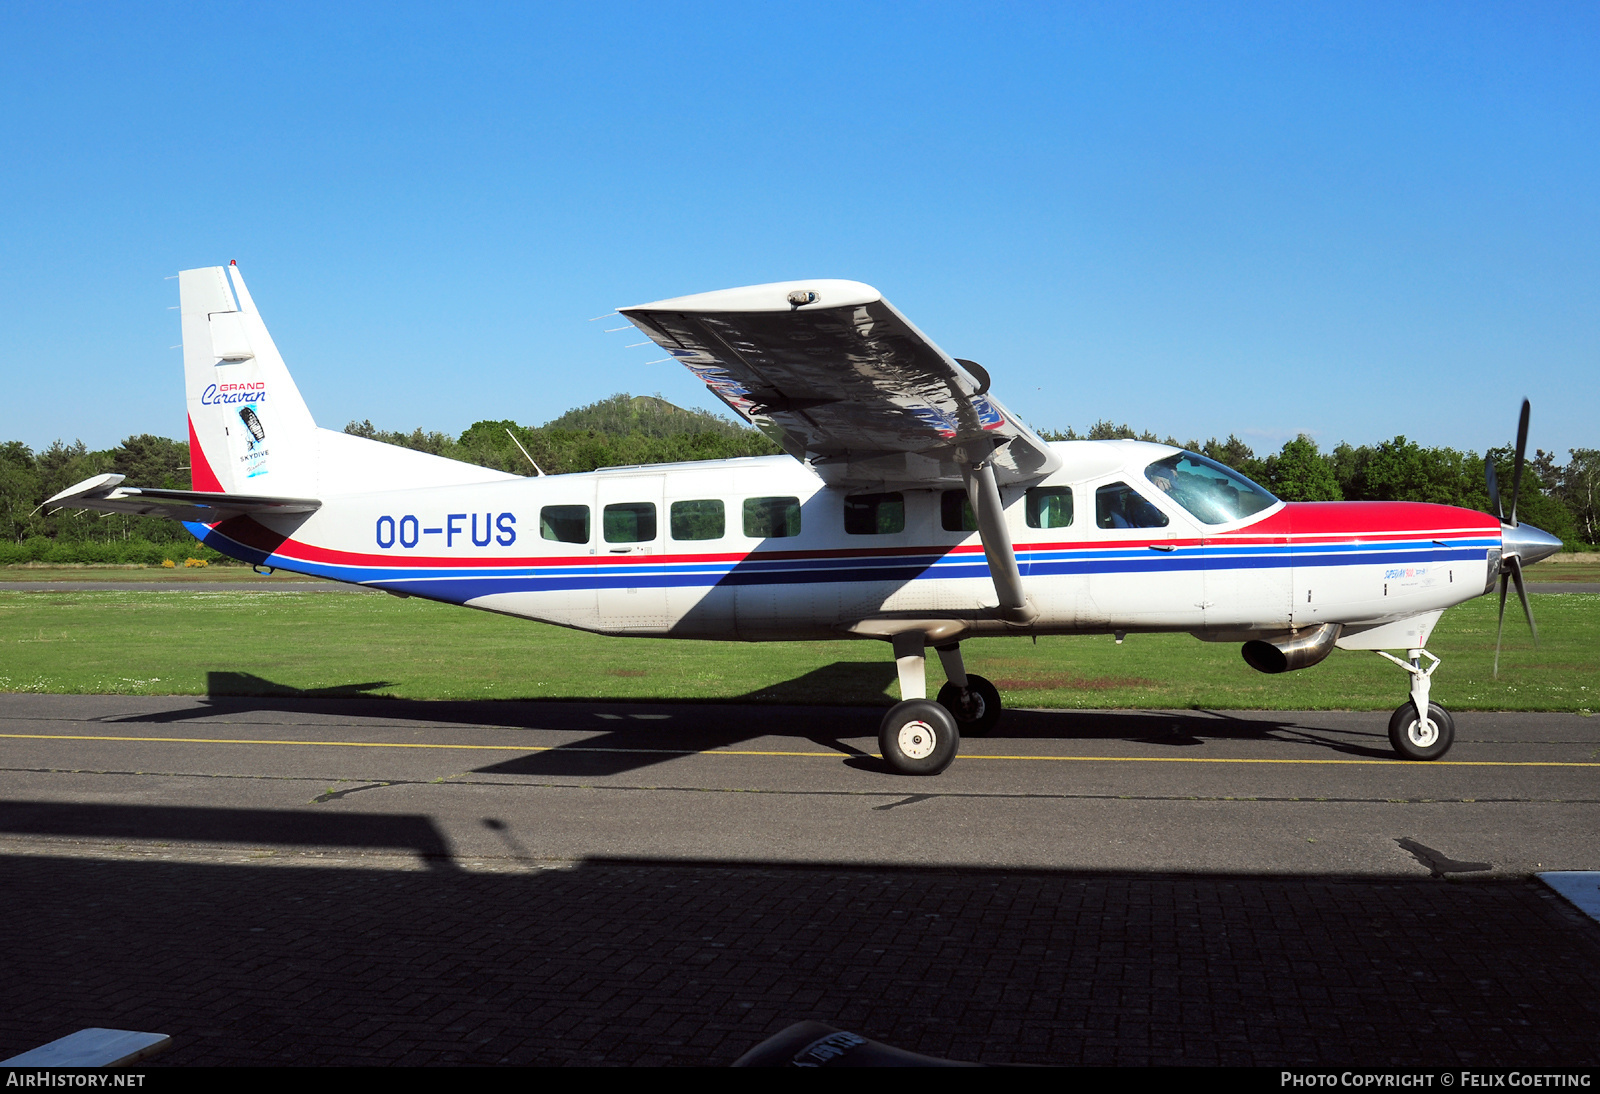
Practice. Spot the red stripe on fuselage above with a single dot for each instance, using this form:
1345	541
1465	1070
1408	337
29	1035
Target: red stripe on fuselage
1323	522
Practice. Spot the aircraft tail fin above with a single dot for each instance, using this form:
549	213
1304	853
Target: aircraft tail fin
249	428
250	431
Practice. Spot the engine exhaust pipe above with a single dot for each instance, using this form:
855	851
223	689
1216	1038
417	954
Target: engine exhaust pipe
1295	651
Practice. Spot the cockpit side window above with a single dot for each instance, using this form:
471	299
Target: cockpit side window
1118	505
1213	493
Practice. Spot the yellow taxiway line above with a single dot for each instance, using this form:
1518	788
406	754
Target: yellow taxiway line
774	752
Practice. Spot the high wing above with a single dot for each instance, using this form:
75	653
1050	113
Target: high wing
840	379
104	494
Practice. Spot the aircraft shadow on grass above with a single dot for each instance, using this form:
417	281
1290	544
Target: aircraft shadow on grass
641	733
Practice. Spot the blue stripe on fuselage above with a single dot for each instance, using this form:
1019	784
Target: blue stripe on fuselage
457	584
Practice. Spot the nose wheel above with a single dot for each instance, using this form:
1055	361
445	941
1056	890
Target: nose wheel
1417	738
1420	729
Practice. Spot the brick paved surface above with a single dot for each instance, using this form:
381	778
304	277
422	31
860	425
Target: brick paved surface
349	961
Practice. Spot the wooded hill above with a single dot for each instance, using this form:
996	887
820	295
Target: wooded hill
624	430
617	432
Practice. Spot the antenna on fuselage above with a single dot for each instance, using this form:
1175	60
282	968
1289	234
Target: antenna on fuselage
524	452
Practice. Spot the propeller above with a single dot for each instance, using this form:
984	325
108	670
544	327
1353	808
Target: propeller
1518	542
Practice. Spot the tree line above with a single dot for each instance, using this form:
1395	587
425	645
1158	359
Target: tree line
1563	498
620	431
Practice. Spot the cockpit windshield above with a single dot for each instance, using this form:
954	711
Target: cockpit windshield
1213	493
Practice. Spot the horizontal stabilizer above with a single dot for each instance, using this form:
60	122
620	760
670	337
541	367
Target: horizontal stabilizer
105	494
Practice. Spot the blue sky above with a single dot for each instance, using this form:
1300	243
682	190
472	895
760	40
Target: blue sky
1351	220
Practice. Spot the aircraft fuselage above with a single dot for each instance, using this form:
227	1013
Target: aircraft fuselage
762	549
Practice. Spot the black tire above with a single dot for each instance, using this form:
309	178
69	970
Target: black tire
918	737
1414	743
982	709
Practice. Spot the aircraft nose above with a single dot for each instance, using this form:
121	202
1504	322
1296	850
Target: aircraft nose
1528	543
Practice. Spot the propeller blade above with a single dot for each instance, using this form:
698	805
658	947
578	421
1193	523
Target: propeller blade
1522	594
1493	483
1500	628
1516	474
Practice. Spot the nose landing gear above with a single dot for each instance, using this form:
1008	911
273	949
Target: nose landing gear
1420	729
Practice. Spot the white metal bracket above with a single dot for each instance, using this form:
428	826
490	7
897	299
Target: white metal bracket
1421	678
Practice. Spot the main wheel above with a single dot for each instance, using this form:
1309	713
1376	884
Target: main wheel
1415	739
918	737
979	712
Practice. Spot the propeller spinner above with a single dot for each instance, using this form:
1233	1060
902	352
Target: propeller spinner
1520	544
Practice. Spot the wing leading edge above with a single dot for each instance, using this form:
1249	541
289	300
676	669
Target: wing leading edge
840	379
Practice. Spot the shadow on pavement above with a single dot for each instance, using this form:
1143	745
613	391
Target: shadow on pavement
629	962
629	735
392	832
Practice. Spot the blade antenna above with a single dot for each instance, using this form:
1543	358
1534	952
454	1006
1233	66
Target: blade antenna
536	467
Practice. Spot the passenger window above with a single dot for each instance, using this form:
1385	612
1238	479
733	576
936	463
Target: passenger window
875	514
697	520
630	522
1050	507
1121	506
564	523
771	518
955	512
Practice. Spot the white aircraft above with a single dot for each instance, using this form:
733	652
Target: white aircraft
912	507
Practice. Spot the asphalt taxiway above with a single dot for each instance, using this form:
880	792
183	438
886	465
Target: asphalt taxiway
357	880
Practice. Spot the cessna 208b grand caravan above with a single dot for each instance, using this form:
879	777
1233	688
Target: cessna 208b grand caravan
911	507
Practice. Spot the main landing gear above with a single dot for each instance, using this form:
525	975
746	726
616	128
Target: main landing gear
1420	729
919	736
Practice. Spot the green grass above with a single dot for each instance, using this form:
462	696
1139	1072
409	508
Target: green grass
281	642
133	573
1564	571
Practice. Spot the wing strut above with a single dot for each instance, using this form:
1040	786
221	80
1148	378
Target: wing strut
984	494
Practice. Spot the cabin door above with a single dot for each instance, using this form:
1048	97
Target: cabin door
630	533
